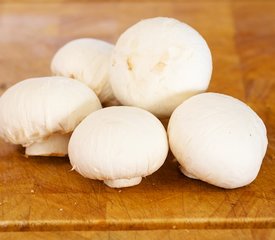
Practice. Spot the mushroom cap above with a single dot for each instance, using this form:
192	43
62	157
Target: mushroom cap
158	63
118	143
38	107
88	61
218	139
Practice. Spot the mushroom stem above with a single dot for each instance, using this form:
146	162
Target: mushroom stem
120	183
54	145
186	173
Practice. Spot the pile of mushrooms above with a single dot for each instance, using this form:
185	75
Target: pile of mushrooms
159	67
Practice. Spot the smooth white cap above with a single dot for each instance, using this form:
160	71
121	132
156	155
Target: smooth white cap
36	108
86	60
218	139
119	145
158	63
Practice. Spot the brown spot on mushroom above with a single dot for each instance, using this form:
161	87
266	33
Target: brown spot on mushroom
35	135
113	63
72	76
159	67
130	64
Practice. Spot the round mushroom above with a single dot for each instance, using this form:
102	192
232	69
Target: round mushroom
158	63
118	145
86	60
218	139
41	113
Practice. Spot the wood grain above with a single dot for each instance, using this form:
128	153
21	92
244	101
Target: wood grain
187	234
42	194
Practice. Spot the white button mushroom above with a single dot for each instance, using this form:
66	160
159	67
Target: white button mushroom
218	139
158	63
88	61
40	113
119	145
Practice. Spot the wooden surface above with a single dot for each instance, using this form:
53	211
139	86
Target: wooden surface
41	194
186	234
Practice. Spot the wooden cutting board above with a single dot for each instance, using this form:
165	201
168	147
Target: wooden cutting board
42	194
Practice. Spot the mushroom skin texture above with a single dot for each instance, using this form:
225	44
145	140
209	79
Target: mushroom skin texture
88	61
41	113
118	145
158	63
218	139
